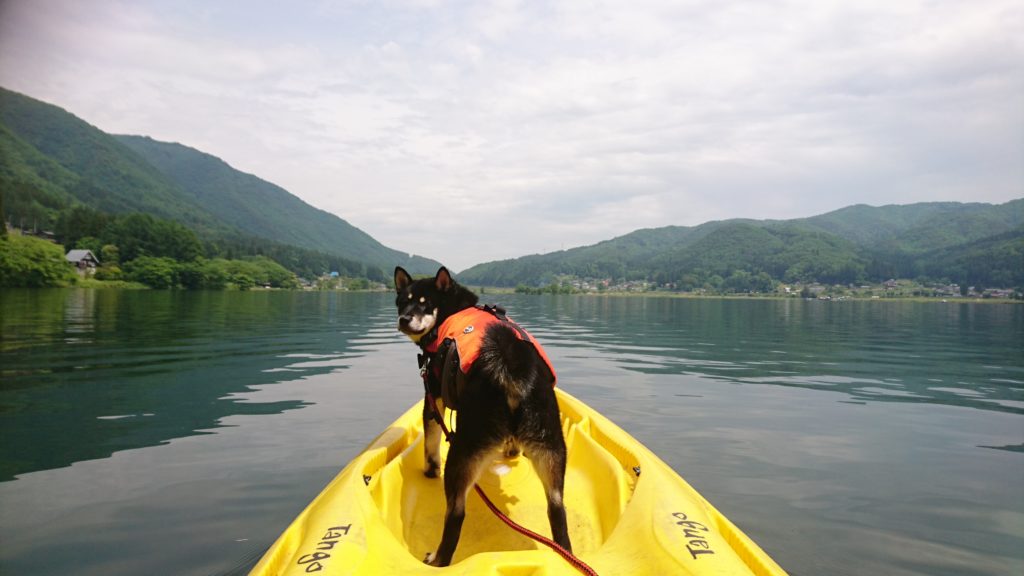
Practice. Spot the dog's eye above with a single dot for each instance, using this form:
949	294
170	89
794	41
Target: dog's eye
422	299
410	295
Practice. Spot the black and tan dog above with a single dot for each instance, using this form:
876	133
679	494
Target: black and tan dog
499	382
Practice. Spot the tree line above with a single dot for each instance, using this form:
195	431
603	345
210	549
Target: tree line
141	234
162	253
132	247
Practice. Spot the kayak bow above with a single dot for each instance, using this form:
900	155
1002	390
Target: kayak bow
628	513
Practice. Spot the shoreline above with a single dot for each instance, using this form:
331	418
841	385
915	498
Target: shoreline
485	292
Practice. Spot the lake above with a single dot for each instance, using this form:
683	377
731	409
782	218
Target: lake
180	432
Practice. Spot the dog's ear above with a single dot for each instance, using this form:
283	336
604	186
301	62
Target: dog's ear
443	280
402	278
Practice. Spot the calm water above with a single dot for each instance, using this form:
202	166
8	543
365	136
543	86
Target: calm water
179	433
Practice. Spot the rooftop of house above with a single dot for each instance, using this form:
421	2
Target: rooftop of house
79	255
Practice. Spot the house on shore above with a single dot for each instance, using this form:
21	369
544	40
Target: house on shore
84	261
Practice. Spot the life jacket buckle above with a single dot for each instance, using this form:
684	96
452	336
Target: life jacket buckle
496	310
424	361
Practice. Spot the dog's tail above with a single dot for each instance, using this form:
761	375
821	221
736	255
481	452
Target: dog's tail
510	362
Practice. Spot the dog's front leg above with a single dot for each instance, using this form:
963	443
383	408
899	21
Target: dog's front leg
460	474
432	439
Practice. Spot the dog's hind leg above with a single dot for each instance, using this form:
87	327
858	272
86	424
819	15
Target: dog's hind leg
432	440
461	472
549	461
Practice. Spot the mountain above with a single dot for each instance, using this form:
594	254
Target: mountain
608	259
33	183
263	209
969	243
52	160
921	227
97	170
781	250
994	261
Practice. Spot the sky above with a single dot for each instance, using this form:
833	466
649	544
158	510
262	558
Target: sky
475	131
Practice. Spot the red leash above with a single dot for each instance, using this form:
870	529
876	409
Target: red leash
568	556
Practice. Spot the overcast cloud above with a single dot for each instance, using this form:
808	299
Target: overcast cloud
474	131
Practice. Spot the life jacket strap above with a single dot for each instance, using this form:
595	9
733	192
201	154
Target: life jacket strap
499	313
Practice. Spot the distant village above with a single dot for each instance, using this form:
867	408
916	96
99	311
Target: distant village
891	288
334	281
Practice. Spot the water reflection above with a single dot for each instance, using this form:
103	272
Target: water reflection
869	351
844	437
87	373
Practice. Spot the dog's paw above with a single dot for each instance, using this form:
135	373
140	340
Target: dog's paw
431	558
433	470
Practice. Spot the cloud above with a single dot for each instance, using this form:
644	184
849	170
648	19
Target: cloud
529	127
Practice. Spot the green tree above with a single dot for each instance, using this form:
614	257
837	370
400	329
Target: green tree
275	275
143	235
79	222
762	282
215	275
241	280
90	243
203	274
358	284
688	282
33	263
738	281
153	272
191	275
109	254
109	272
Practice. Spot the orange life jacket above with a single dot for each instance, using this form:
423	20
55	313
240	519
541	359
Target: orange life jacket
467	329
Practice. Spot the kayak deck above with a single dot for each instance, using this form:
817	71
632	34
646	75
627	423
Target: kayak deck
627	512
413	506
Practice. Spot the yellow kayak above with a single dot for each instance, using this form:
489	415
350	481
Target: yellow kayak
628	513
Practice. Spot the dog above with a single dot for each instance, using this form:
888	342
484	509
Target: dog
504	399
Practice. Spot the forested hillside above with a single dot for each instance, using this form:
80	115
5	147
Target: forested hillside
96	170
965	243
51	162
263	209
919	228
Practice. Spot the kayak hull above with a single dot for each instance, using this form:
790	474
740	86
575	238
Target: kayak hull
628	513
